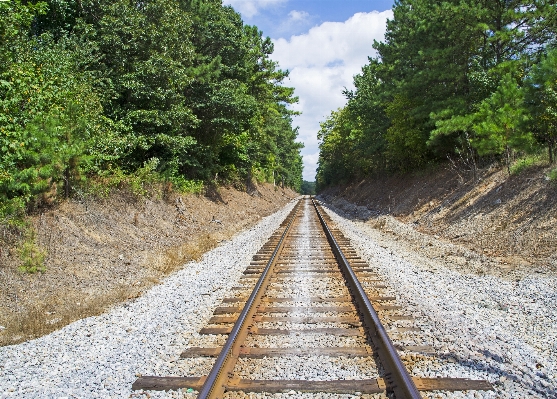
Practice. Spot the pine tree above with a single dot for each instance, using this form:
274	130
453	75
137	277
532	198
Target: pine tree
541	101
500	121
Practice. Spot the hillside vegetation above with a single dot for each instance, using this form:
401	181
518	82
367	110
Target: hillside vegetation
97	253
120	92
511	221
114	117
469	81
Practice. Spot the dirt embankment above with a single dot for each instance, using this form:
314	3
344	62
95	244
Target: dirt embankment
107	251
511	220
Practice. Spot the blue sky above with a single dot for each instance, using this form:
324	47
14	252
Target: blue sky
323	43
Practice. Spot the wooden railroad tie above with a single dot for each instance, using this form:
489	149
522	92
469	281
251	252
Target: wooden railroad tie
369	386
350	318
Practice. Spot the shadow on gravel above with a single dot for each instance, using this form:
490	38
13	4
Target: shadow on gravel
349	211
496	371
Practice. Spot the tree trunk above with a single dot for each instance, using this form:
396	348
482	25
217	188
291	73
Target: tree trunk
67	182
248	182
508	160
473	156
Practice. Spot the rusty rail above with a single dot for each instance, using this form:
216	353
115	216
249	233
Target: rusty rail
397	376
214	385
221	378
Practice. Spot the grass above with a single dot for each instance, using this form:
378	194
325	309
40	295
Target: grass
36	304
174	258
528	161
552	175
41	317
32	256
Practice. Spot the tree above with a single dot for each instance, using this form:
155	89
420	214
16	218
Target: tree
366	110
335	149
541	101
307	188
181	86
427	57
406	137
500	120
435	89
49	110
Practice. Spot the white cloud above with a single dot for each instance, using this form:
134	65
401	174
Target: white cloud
297	21
310	162
350	41
298	15
249	8
322	62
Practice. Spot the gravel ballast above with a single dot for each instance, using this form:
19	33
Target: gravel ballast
100	357
484	325
481	326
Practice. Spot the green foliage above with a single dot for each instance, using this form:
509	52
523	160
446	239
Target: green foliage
48	111
139	95
335	161
101	186
454	79
144	177
12	213
16	18
526	162
406	141
31	255
499	122
454	130
187	186
144	182
541	101
552	176
366	110
308	188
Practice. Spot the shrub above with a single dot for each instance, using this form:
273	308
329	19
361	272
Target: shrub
32	256
186	186
526	162
553	176
144	178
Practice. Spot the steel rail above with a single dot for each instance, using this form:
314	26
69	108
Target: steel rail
214	385
397	376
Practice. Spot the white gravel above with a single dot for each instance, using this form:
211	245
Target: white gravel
313	368
482	325
100	357
305	341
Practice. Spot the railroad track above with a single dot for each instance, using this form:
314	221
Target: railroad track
306	293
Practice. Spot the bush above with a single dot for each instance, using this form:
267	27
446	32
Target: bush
522	164
553	176
146	181
144	178
32	256
186	186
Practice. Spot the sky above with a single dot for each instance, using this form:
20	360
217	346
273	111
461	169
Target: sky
323	43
